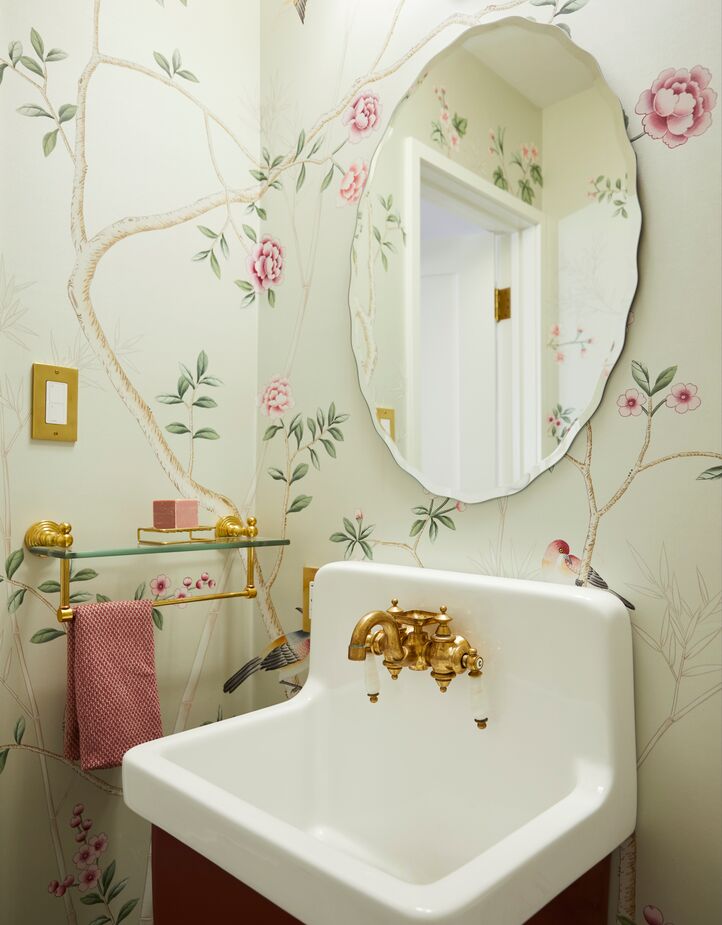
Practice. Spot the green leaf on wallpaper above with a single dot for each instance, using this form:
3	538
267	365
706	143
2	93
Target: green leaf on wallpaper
3	758
49	587
640	374
201	364
66	112
416	527
56	54
80	597
664	379
3	66
571	6
274	163
121	884
34	112
158	620
139	593
564	27
329	447
19	730
101	920
177	428
215	266
311	426
314	458
225	250
446	521
536	174
107	877
92	899
327	179
271	296
211	381
188	75
208	232
169	399
85	574
250	233
13	562
205	401
201	255
301	177
162	62
543	2
258	175
300	144
102	599
46	635
206	433
37	43
299	504
336	433
15	51
32	65
49	142
177	60
276	474
714	472
338	538
16	599
126	910
244	285
299	472
272	430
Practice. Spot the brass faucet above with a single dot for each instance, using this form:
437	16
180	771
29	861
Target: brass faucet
404	643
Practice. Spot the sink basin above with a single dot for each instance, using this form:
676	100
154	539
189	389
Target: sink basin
403	811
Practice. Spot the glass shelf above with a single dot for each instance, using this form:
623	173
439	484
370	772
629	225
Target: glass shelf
55	552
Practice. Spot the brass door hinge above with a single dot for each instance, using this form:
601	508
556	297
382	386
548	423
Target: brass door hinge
502	304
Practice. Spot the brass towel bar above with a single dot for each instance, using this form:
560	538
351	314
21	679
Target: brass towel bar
47	535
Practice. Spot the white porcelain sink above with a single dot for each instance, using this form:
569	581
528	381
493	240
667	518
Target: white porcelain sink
339	810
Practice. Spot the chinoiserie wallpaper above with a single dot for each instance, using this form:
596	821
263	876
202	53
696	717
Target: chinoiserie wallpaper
178	190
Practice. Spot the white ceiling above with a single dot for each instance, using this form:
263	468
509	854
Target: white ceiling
538	64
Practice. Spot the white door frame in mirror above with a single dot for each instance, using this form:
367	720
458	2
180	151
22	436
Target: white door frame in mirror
517	414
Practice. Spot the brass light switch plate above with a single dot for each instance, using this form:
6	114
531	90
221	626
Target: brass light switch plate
55	403
387	419
308	575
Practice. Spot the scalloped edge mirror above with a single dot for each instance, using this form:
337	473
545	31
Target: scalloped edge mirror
546	207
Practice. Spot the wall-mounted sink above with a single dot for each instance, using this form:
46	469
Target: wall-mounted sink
403	811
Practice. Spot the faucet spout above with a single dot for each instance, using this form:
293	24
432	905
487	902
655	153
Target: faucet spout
393	648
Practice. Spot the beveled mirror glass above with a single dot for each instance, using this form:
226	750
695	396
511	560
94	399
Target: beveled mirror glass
494	260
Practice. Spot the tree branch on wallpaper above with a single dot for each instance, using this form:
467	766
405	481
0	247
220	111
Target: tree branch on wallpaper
682	398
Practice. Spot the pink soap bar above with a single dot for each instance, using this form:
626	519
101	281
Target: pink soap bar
178	512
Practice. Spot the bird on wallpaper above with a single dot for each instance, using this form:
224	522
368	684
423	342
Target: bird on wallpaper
560	565
291	649
300	8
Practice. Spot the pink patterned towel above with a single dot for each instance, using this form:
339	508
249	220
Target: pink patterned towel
112	694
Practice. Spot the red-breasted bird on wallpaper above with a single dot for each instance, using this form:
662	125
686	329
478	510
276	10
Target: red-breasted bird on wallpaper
560	565
292	649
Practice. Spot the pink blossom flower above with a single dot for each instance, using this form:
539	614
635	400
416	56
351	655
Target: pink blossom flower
276	399
69	880
630	403
88	878
555	330
85	857
199	584
534	152
683	398
524	152
492	151
80	837
187	581
78	809
550	419
87	825
359	515
445	117
211	582
363	116
98	842
454	140
460	506
52	886
60	890
583	351
678	105
266	264
159	584
75	821
205	576
557	423
652	915
559	356
492	134
353	183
